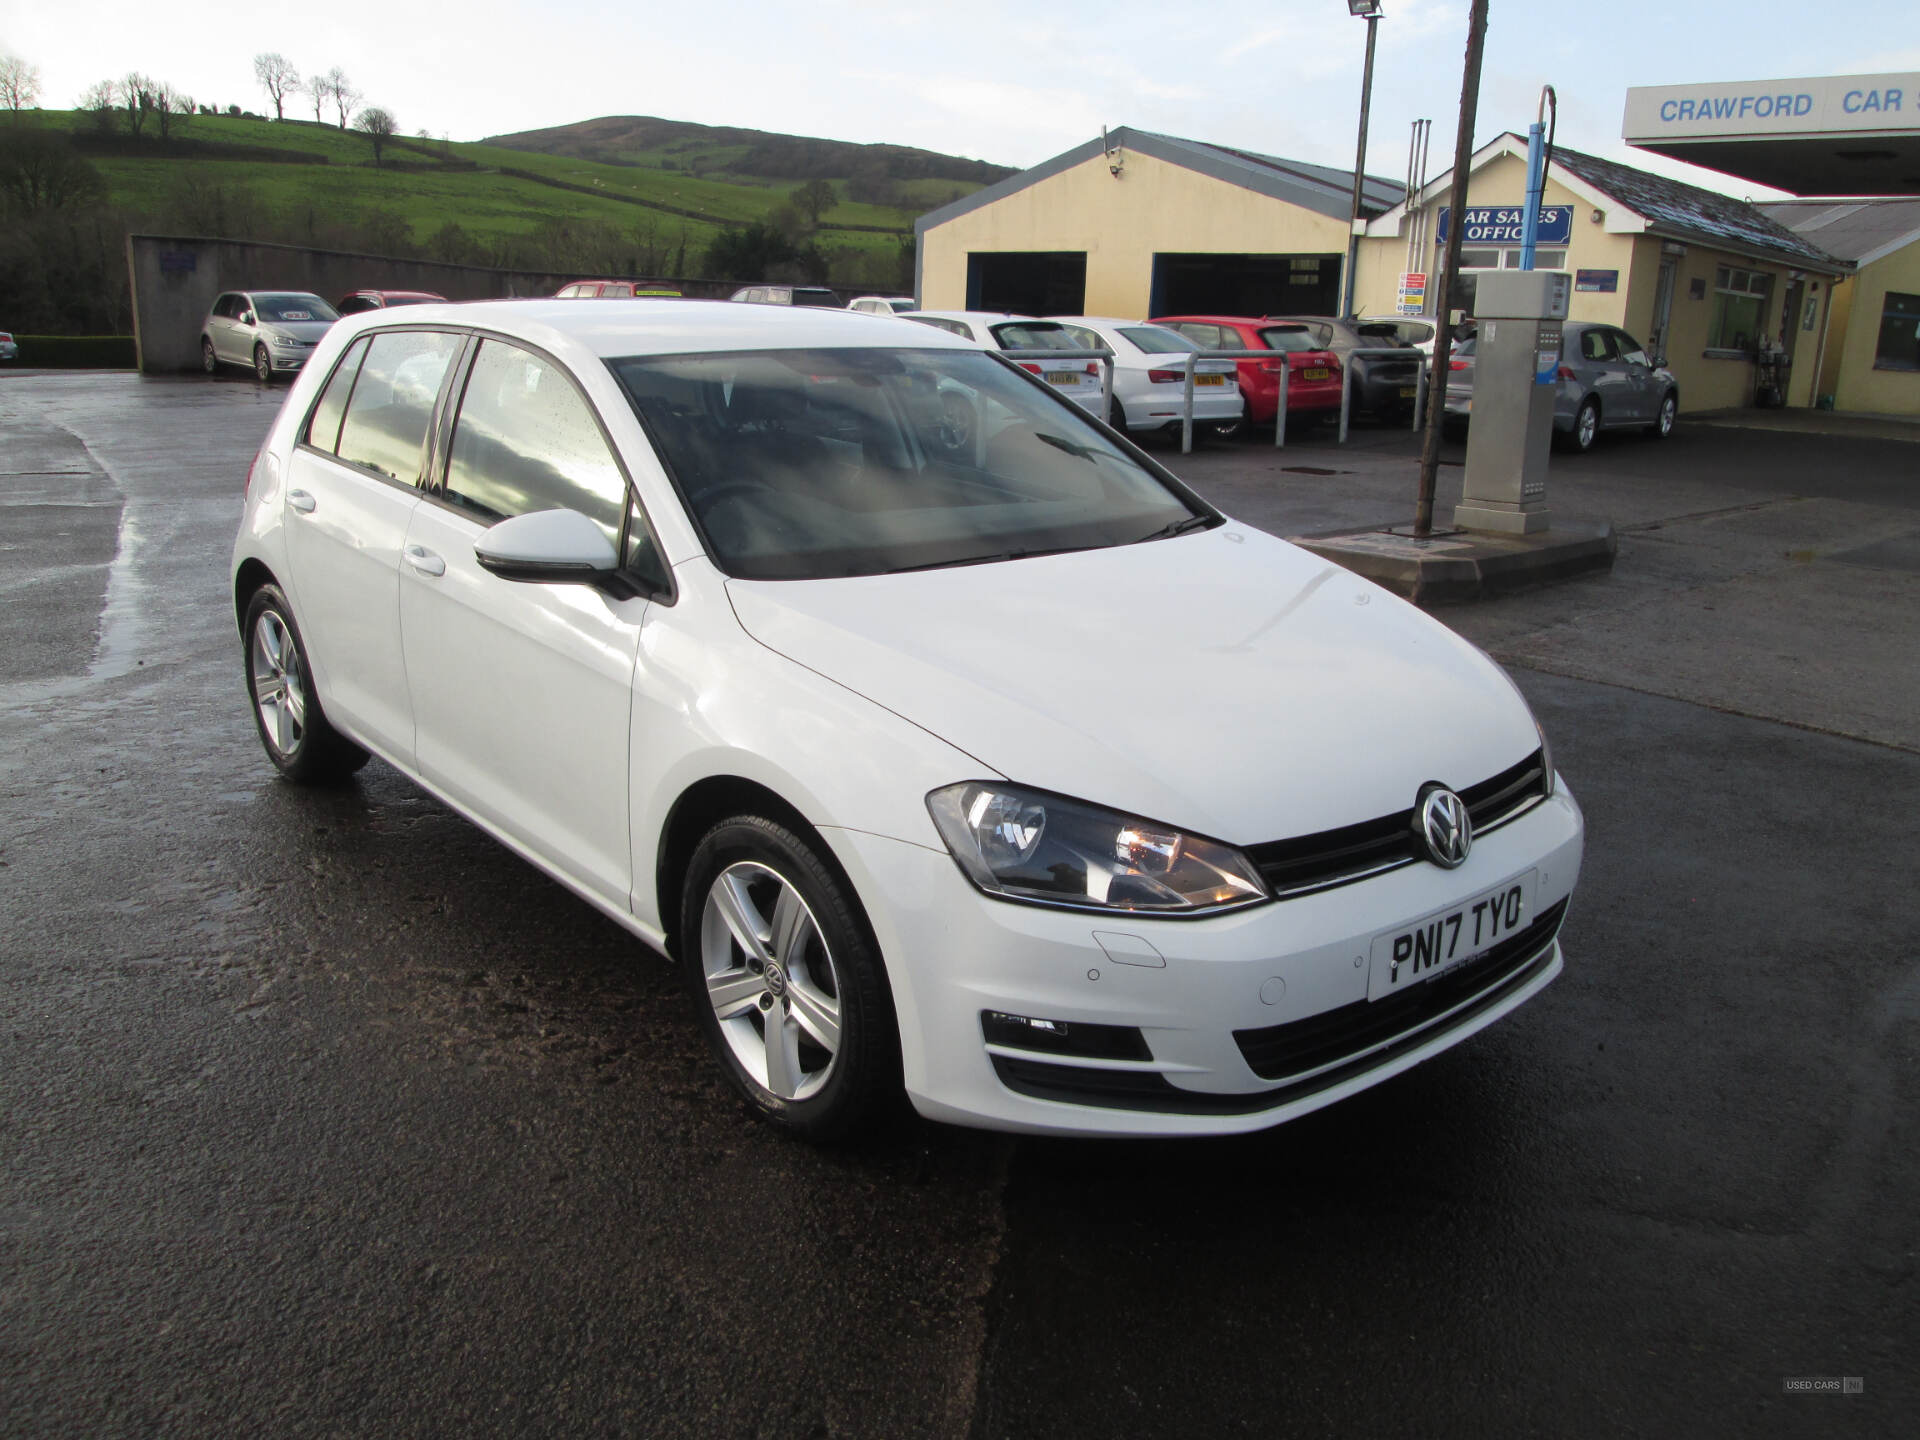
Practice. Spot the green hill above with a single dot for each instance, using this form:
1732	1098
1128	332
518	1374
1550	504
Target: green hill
294	179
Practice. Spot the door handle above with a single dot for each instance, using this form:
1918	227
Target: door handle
425	561
301	501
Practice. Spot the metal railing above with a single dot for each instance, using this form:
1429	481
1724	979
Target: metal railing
1400	352
1186	402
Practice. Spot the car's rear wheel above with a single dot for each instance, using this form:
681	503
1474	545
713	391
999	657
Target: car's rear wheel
262	365
286	712
788	985
1586	428
1116	414
209	362
1669	411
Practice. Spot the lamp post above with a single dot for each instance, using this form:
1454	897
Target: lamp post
1369	11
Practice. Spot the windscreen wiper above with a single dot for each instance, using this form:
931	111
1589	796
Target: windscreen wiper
987	559
1060	442
1178	527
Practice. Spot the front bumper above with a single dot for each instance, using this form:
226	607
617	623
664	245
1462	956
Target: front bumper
954	954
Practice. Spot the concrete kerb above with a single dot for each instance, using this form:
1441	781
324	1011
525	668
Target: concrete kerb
1453	567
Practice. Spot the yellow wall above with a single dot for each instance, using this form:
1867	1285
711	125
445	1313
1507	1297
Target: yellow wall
1121	224
1861	387
1705	383
1843	294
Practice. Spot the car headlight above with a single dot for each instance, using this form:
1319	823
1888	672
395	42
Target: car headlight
286	340
1028	845
1546	759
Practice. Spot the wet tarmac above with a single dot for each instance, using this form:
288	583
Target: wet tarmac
322	1114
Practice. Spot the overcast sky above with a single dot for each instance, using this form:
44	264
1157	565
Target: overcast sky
1012	81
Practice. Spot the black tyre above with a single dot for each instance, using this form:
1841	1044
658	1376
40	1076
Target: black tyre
1586	428
286	712
789	988
209	362
262	365
1664	418
1116	414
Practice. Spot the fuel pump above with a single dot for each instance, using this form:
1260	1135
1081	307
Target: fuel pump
1515	378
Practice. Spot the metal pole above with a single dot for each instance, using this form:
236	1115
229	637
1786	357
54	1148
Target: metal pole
1280	413
1536	186
1186	419
1106	388
1443	332
1359	165
1346	396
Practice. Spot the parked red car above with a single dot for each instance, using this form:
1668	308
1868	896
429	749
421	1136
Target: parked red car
1313	374
380	299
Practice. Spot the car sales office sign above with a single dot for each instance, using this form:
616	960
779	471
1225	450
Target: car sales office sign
1502	224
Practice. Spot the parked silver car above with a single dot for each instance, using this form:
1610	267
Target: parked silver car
1606	382
272	331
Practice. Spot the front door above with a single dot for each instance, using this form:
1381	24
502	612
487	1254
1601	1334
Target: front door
523	693
1662	309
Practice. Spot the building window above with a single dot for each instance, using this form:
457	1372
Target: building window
1508	258
1899	347
1739	308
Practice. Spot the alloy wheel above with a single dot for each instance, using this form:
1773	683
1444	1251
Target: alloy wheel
1667	411
1589	424
771	980
262	365
279	688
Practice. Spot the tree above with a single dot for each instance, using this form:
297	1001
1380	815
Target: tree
748	253
378	125
278	78
97	104
19	83
40	172
134	91
317	91
341	92
815	198
171	109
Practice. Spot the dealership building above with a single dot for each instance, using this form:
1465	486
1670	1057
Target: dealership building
1746	301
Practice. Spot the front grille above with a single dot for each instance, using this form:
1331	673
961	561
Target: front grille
1339	857
1278	1052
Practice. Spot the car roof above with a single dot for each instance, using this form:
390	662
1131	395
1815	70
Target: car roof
1109	321
427	293
1219	319
610	328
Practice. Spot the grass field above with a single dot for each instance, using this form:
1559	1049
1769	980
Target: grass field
438	183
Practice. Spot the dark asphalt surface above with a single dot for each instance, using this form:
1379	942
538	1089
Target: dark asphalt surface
321	1114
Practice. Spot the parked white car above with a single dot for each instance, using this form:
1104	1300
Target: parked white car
273	332
1003	771
1412	331
1079	380
1150	377
881	304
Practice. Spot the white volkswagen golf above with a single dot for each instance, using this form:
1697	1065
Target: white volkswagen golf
947	743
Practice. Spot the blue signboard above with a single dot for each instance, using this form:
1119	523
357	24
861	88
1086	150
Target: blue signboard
1502	224
1602	282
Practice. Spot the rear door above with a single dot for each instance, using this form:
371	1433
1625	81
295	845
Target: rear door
1605	373
352	487
523	693
1646	387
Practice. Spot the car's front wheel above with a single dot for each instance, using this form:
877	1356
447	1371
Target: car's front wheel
262	365
209	362
1663	420
286	712
788	985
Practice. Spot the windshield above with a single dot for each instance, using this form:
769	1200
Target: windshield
825	299
292	309
1158	341
1289	337
808	464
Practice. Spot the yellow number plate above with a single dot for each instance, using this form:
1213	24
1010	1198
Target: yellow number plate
1063	377
1317	372
1209	379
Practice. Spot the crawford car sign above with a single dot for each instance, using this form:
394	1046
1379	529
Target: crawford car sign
1774	107
1502	224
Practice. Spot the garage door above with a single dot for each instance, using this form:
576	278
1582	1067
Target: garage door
1246	285
1028	282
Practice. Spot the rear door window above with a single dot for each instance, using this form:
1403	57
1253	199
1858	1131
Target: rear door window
526	440
1597	345
392	404
323	426
1157	339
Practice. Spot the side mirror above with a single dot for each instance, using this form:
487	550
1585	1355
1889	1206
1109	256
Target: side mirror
246	317
552	547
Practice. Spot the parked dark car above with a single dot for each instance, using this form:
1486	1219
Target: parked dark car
1313	373
1381	383
1606	382
361	300
816	295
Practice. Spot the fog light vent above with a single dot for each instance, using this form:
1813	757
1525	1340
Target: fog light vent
1064	1037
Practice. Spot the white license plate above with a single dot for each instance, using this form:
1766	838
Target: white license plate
1209	380
1431	946
1063	377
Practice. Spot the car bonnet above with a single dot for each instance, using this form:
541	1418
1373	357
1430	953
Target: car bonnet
1224	681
